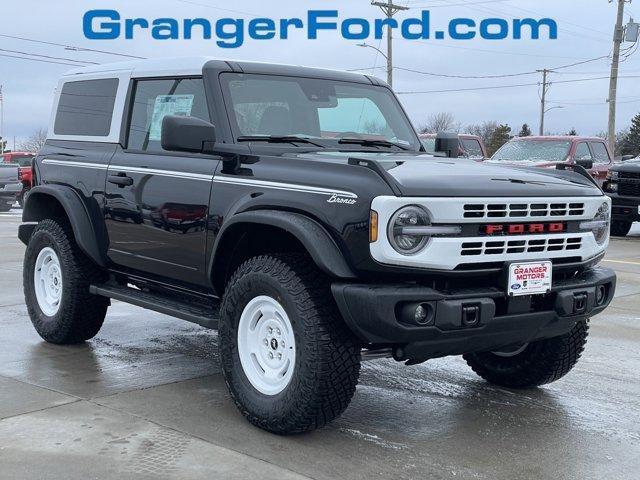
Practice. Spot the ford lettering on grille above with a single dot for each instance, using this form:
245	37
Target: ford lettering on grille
522	228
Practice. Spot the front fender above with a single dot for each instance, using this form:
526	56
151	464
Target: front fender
83	218
312	235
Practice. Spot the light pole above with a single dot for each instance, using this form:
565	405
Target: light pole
366	45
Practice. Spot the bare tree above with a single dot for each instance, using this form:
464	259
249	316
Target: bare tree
441	122
484	130
34	142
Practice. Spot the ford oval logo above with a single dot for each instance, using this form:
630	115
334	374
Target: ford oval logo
516	286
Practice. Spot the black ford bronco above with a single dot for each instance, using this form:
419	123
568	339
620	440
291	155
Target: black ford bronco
623	186
295	211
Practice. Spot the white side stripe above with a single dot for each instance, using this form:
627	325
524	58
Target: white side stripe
294	187
163	173
96	166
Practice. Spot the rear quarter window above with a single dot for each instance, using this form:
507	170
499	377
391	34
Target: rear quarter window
85	108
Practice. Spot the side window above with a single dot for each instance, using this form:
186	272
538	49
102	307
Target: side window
472	147
155	99
583	152
86	107
600	152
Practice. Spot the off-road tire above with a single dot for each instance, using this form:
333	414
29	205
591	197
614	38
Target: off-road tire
542	362
327	361
620	229
80	315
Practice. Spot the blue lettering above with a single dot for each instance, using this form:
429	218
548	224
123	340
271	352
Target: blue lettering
459	22
422	22
315	25
363	27
202	22
131	23
535	27
262	29
236	36
501	34
285	23
379	25
108	30
165	29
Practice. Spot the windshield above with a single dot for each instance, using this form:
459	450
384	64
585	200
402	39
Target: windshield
532	150
429	144
265	105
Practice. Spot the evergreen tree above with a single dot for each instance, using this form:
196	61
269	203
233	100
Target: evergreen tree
632	143
525	131
500	136
572	132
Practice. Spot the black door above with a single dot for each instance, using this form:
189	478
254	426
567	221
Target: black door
157	203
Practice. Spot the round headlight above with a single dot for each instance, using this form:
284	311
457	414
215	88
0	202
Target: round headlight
401	223
600	224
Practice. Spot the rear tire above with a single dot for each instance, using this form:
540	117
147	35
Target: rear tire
540	362
316	376
56	279
619	228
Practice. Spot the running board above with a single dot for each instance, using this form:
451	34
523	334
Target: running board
205	316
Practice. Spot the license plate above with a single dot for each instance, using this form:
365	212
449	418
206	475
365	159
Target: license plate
530	278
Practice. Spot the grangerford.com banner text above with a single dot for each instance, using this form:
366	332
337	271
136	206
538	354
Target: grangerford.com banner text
232	32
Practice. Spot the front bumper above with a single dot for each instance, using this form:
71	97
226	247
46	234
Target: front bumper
624	208
469	320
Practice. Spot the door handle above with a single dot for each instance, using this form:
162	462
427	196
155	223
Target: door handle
121	179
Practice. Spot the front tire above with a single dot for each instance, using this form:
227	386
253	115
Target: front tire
538	363
56	279
620	229
309	380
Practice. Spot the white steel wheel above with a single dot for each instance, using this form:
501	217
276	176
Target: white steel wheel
47	279
266	345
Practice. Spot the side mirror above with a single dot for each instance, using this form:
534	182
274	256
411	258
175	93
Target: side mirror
587	164
448	143
627	157
186	134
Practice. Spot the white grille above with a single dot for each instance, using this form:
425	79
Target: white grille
523	210
539	245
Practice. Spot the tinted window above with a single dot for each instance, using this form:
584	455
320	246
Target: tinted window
600	152
155	99
86	107
471	147
583	152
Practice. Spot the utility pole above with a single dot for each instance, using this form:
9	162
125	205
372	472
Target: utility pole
1	122
543	98
613	82
389	9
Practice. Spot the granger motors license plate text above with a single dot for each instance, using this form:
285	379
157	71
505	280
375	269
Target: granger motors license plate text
529	278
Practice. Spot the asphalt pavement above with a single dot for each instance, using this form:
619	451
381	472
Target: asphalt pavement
145	399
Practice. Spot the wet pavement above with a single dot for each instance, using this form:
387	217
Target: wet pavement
145	399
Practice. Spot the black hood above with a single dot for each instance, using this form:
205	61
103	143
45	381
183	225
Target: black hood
426	175
628	166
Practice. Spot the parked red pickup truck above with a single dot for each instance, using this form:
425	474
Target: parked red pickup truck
589	152
23	159
471	146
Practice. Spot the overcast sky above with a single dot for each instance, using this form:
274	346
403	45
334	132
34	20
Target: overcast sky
585	31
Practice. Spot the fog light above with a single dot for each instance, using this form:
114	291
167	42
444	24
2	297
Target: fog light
601	295
421	314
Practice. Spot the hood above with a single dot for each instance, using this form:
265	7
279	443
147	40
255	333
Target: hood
628	166
426	175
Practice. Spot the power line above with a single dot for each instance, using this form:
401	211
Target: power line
70	47
39	60
47	56
508	86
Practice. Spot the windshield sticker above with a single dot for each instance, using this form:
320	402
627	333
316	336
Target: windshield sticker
168	105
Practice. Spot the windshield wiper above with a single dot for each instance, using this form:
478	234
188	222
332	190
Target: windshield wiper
278	139
370	142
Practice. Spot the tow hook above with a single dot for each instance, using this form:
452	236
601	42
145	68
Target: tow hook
579	303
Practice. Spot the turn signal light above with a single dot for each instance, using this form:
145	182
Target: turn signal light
373	226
